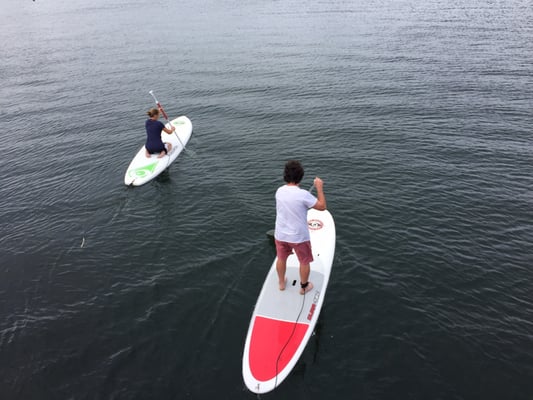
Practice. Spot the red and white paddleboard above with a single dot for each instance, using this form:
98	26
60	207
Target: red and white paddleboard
284	320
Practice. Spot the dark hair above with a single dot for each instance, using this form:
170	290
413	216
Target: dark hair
152	112
294	172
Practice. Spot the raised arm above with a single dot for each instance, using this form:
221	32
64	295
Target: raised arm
321	199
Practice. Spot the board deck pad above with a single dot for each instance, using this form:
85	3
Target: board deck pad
283	321
143	169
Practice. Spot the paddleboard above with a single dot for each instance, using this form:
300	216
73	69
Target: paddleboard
283	320
143	169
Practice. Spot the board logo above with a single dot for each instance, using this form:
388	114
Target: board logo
141	172
313	306
315	224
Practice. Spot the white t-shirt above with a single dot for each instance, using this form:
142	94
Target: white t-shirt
292	204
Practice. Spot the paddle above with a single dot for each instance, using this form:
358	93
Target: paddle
160	107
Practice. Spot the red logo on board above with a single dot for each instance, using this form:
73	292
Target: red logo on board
315	224
313	306
311	312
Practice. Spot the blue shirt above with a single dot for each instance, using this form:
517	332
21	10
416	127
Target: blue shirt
153	135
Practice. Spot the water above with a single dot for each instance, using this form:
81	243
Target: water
417	115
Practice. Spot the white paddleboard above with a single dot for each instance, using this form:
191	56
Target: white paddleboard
143	169
284	320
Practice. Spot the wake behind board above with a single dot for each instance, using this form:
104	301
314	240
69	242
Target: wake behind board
143	169
283	321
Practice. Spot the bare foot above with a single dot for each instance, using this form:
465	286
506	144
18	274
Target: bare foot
147	154
283	284
162	154
308	288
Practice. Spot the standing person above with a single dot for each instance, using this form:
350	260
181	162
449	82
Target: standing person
292	232
154	144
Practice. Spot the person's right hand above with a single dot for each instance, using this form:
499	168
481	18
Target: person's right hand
319	183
